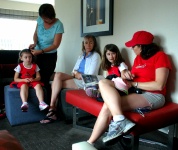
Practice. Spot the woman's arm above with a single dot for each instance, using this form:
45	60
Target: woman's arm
125	73
76	66
158	84
17	79
56	43
38	77
93	64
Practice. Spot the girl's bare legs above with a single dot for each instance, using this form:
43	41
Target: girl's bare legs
24	92
117	104
24	97
111	98
105	114
40	95
113	105
61	80
39	92
101	124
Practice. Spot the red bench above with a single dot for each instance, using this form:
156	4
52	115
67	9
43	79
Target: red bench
156	119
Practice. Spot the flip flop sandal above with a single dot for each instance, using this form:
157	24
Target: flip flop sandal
47	120
49	117
51	112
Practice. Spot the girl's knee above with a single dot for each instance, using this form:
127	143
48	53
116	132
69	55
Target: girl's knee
38	86
24	86
58	75
105	82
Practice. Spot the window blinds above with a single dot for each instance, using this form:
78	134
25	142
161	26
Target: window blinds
18	14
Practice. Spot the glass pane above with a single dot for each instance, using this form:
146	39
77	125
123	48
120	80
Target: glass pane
16	34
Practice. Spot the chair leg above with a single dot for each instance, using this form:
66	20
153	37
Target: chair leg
75	120
129	142
171	132
135	142
74	117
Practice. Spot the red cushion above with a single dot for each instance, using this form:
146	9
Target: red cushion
78	98
153	120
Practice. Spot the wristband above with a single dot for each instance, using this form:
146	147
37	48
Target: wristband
42	51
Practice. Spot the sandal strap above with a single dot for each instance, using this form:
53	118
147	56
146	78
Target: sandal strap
51	113
48	119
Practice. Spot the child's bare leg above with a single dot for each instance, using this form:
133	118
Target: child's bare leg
39	92
101	124
24	97
40	95
24	92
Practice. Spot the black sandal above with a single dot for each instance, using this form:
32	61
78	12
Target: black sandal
51	112
50	117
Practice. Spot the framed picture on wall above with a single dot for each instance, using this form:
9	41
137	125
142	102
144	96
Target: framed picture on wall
97	17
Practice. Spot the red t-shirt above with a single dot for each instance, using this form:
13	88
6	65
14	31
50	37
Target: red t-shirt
27	73
145	70
114	70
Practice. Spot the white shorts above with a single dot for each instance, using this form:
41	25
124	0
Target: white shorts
79	83
156	100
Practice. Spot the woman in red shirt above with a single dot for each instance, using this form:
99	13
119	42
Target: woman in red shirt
150	71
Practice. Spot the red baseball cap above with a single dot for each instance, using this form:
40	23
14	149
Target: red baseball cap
140	37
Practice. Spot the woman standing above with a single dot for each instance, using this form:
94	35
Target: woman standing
47	39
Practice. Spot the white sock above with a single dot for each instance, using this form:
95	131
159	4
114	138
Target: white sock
118	118
25	103
42	102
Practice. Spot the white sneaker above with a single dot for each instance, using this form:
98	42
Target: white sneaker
83	146
116	129
24	107
129	125
43	106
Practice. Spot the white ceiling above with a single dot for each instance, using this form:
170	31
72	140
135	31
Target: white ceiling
36	1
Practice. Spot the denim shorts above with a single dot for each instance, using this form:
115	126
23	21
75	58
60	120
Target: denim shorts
156	100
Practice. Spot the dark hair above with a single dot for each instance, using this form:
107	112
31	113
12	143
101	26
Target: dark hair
149	50
26	51
95	47
105	64
47	10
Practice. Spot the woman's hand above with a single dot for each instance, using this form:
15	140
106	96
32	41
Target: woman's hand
32	46
36	52
77	75
129	83
126	74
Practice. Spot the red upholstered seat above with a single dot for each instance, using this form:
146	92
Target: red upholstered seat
78	98
153	120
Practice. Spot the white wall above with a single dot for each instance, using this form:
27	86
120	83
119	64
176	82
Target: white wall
158	17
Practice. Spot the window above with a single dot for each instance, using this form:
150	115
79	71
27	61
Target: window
17	29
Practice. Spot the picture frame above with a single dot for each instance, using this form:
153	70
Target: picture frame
97	17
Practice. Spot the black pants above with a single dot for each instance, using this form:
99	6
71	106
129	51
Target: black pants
47	64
